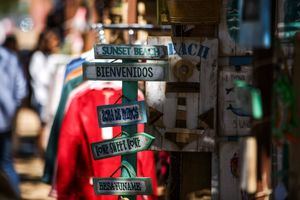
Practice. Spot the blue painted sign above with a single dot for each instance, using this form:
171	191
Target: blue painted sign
122	114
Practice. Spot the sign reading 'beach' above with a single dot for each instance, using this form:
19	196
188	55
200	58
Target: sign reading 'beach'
122	186
156	52
121	146
122	114
125	71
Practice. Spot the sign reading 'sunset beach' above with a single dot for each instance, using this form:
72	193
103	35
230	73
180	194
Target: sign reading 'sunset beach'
154	52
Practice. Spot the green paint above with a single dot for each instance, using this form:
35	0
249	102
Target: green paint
122	145
130	90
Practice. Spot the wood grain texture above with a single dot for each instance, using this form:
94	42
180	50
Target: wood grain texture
231	124
205	74
228	47
229	153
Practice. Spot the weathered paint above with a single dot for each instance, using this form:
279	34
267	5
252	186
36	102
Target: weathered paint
233	117
121	115
229	30
202	53
121	146
156	52
122	186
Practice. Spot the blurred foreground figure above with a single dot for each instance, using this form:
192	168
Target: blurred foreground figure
13	89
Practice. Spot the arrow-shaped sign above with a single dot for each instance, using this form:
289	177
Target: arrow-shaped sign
122	145
122	186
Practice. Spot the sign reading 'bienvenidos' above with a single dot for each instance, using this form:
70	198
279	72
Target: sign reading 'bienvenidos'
122	186
121	146
125	71
154	52
122	114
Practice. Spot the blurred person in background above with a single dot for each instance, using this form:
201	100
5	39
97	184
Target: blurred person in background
41	71
13	89
11	43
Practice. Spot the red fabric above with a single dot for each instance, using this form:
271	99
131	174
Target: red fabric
75	164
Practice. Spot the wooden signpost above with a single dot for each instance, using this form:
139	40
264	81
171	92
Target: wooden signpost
121	115
128	114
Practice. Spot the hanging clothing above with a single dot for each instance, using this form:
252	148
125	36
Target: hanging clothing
74	64
75	164
51	150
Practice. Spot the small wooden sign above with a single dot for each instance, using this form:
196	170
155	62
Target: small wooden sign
156	52
122	145
122	114
125	71
122	186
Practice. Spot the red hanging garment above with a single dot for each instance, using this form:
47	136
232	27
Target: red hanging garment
75	164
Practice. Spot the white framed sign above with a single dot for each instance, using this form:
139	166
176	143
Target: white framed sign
125	71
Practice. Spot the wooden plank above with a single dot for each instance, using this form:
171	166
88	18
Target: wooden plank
229	25
193	11
229	169
201	54
230	122
174	87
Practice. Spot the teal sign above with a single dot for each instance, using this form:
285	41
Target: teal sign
122	186
125	71
122	145
103	51
121	115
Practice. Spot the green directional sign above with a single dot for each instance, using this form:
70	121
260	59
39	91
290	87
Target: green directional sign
125	71
122	145
155	52
122	186
122	114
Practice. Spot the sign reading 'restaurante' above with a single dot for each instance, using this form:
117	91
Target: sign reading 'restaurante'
122	114
125	71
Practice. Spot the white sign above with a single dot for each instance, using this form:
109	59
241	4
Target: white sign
125	71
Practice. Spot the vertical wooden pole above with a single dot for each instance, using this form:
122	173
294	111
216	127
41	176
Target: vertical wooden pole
263	80
130	90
